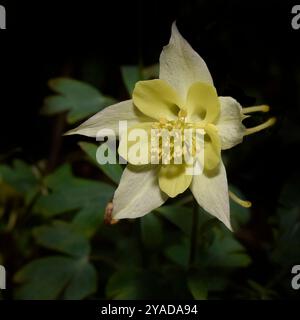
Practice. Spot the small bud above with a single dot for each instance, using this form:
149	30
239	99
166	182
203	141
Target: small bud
108	214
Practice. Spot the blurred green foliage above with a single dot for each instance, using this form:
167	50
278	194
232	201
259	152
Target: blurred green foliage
61	249
77	98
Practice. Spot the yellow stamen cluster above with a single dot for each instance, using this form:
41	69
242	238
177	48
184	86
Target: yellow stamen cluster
168	140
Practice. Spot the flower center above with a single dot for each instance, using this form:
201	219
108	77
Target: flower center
173	141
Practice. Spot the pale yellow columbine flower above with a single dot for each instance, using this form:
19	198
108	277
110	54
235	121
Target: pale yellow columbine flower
184	97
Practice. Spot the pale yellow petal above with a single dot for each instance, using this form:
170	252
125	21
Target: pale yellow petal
212	147
173	179
138	192
156	99
181	65
135	144
210	189
202	103
229	125
109	118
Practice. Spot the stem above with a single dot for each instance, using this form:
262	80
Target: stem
184	200
194	233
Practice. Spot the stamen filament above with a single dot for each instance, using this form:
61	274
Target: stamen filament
262	108
260	127
243	203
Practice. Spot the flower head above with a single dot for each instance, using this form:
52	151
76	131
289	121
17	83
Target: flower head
183	99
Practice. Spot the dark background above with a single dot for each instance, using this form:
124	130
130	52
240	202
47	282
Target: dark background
245	44
249	46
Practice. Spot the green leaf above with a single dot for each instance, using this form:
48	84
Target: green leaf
78	98
21	177
151	72
83	284
68	193
152	231
89	218
79	194
179	253
131	285
60	178
179	216
131	75
225	252
51	277
62	238
198	287
113	171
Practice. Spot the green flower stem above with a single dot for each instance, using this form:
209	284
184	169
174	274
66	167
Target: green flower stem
194	233
184	200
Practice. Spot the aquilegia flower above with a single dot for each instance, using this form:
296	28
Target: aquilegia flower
183	97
